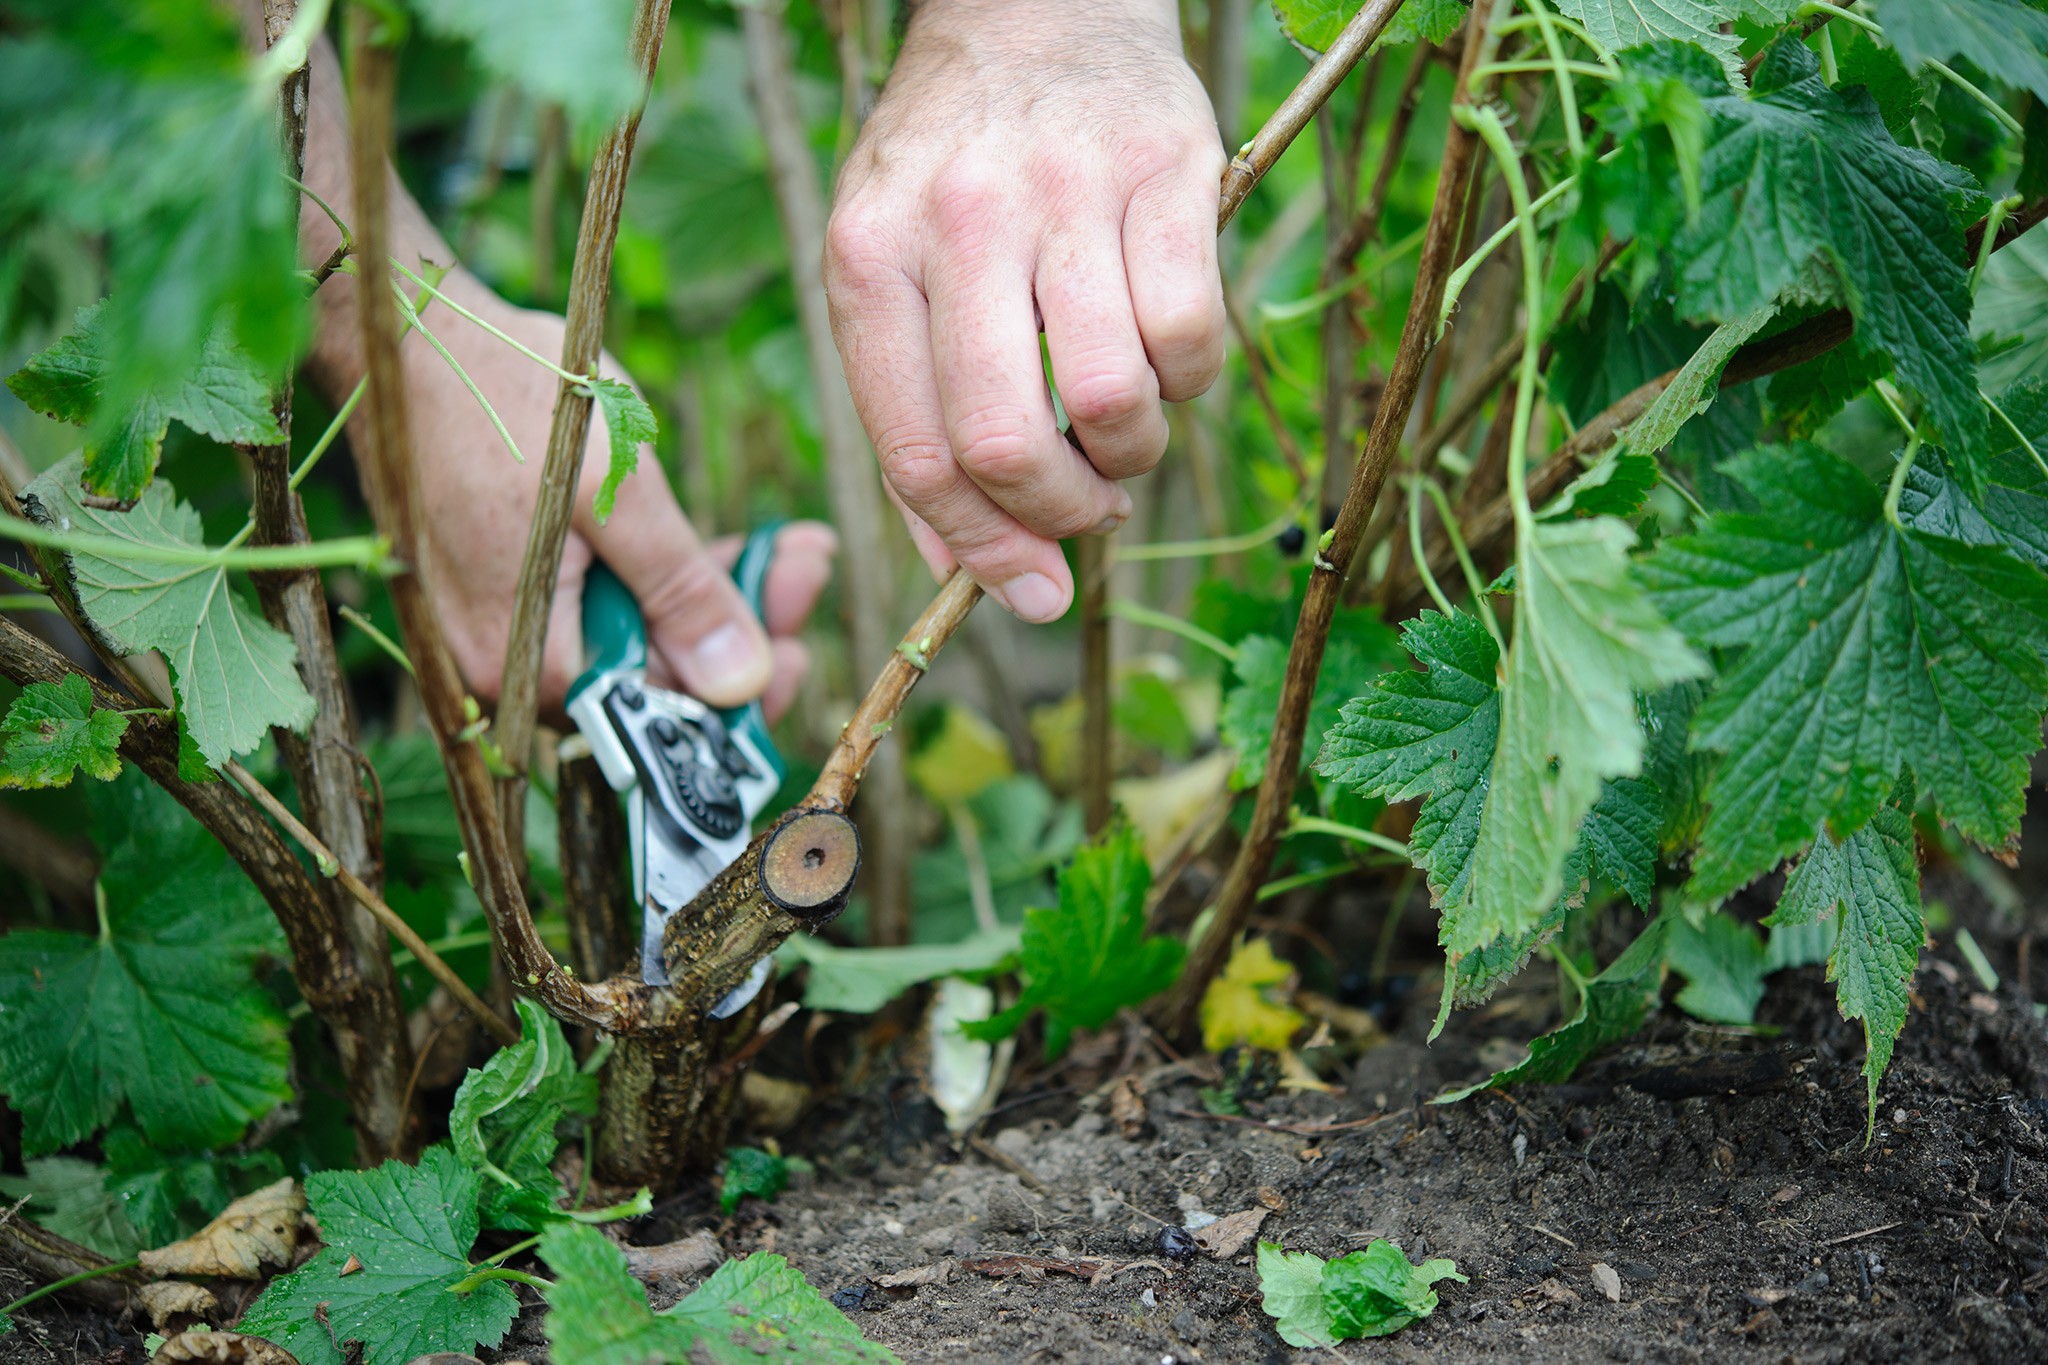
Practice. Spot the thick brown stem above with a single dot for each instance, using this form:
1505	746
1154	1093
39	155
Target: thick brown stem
604	924
1096	743
868	566
47	1257
324	761
590	280
391	472
1304	661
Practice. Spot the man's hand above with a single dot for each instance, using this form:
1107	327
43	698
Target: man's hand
479	500
1033	164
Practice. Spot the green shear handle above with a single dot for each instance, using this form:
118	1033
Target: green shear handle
615	634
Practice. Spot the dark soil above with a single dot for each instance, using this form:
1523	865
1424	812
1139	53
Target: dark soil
1749	1222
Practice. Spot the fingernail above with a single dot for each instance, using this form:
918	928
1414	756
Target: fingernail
1106	525
728	661
1034	597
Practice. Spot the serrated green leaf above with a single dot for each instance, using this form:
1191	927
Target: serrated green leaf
1619	24
1090	957
580	58
1866	649
1796	173
748	1309
233	670
2010	511
504	1118
1611	1008
1246	720
628	422
1315	24
172	1194
1805	397
223	394
1694	389
1677	770
1431	735
1378	1291
1873	879
751	1173
51	732
1723	962
862	980
160	1009
1586	641
2006	39
409	1230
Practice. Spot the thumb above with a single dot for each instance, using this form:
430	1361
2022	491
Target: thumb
700	631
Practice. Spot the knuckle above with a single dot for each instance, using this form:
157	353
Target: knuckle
919	470
997	449
858	249
965	205
1110	395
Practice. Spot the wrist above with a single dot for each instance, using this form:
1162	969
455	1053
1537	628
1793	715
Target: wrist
999	28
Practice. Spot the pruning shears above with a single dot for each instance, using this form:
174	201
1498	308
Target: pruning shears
694	776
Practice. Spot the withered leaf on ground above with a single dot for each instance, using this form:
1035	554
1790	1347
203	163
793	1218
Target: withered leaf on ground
692	1255
166	1299
1227	1236
1094	1269
220	1348
938	1272
259	1231
1127	1107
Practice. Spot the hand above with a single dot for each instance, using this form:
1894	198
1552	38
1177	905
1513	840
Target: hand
701	634
1056	153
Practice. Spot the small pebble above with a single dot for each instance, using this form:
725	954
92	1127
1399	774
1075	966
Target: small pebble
893	1228
851	1298
1149	1299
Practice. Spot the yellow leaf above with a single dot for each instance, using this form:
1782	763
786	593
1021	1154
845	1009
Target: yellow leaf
1238	1006
966	755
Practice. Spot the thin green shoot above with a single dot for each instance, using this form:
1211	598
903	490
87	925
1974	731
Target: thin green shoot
1139	614
1473	582
1316	824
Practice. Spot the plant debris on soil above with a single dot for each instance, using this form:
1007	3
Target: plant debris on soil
1696	1194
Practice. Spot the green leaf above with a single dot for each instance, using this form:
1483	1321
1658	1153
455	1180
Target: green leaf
1586	640
579	58
1611	1008
160	1009
503	1122
1430	735
1291	1290
749	1309
1873	879
862	980
1619	24
233	670
1795	174
1723	962
1370	1293
409	1229
1378	1291
51	732
76	1200
1090	957
172	1194
2013	302
224	395
1697	384
1864	649
751	1173
1349	664
628	422
2006	39
1806	396
2010	515
1025	834
1315	24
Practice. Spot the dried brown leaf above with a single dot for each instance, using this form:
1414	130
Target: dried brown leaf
220	1348
1127	1107
257	1232
938	1272
1227	1236
167	1299
693	1255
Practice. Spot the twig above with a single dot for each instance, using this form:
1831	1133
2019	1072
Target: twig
996	1155
437	966
1093	563
1270	812
1298	1129
1256	157
869	562
589	285
323	761
1858	1236
393	478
